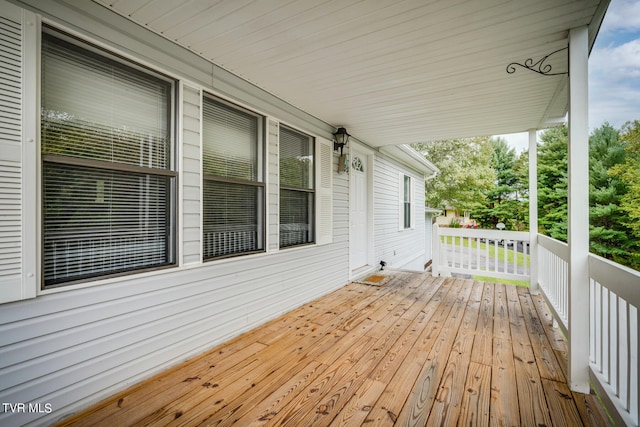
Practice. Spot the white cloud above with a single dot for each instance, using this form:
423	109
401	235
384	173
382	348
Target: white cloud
617	62
622	15
614	84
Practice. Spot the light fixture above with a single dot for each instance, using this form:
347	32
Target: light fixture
340	139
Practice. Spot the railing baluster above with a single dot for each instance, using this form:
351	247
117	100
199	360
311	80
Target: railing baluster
634	367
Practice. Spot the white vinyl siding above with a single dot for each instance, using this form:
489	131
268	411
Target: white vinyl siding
18	31
399	247
191	179
273	199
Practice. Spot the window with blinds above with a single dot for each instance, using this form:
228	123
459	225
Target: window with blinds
107	167
407	201
233	187
297	188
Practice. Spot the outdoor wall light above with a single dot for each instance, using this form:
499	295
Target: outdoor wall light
340	139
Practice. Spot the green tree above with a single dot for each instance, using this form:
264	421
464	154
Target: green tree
610	235
612	173
503	199
629	173
552	183
465	172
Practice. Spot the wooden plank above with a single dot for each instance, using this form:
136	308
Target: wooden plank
501	326
562	408
400	372
546	360
203	403
133	404
448	400
505	408
426	386
477	396
516	317
483	344
591	411
358	407
263	406
204	411
307	399
341	389
533	405
419	350
554	335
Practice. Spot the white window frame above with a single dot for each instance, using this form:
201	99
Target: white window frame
171	171
402	202
260	182
311	220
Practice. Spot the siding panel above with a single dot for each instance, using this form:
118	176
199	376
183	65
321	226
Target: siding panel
273	198
191	180
399	248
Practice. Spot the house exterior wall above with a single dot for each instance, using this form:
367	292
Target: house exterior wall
72	346
398	247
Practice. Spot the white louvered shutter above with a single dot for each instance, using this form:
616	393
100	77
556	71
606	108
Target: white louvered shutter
324	191
18	30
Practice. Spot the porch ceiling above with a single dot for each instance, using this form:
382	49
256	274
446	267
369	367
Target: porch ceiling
390	71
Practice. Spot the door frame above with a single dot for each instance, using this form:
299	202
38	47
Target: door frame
369	156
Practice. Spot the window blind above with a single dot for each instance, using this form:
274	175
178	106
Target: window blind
296	159
297	195
233	194
100	222
231	148
407	202
107	180
96	108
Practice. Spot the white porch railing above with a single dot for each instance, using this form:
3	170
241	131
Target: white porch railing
614	295
614	337
614	298
553	278
480	252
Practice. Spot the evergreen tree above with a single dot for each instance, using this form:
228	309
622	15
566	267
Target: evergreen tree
610	202
504	203
552	183
629	173
610	235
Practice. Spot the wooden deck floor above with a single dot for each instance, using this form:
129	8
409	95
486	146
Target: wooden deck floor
416	351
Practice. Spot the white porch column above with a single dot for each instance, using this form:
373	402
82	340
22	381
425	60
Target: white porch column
578	211
533	212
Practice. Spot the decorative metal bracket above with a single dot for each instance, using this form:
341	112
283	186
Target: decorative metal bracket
538	67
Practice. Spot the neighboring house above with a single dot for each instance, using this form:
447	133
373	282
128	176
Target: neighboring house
452	216
152	212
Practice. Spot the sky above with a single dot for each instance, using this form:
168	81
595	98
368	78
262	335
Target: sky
614	71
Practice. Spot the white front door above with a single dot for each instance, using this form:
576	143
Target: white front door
359	210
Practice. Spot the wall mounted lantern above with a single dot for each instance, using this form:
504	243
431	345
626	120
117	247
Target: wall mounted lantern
340	139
